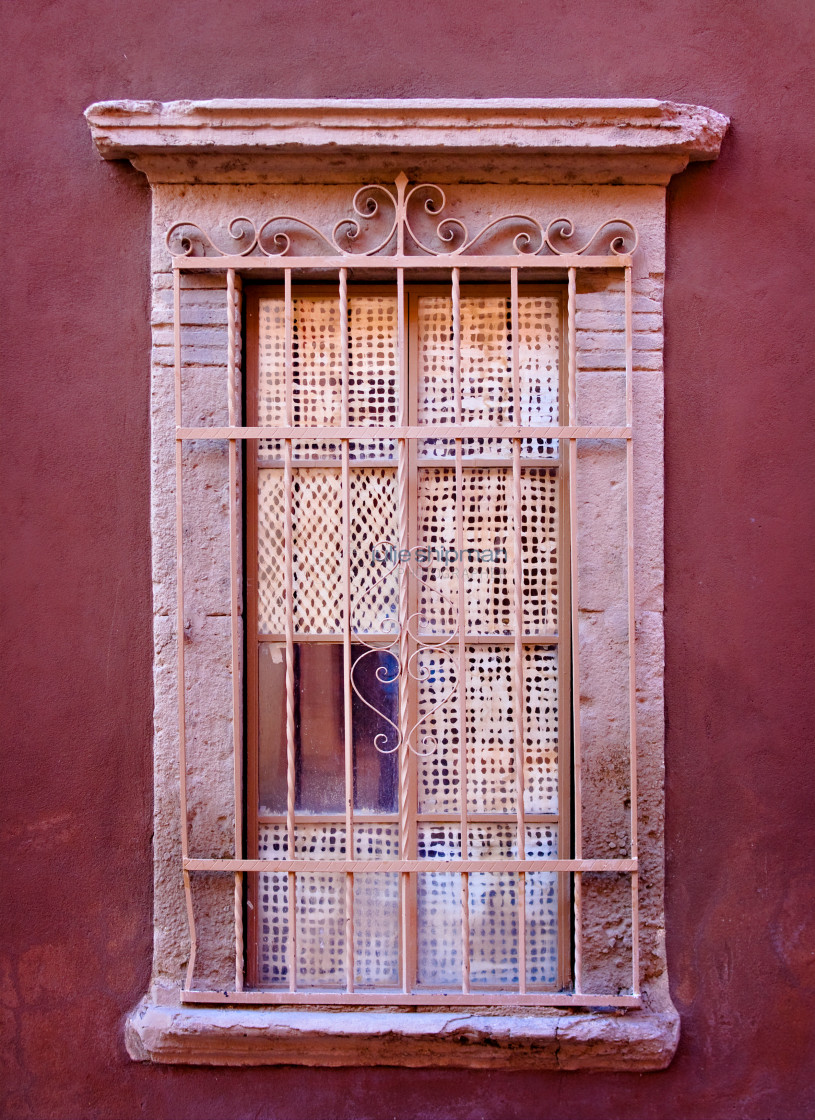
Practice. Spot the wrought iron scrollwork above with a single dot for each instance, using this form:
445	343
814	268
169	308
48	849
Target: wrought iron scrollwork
385	222
366	206
408	669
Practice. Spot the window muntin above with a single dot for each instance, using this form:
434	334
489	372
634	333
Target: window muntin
461	365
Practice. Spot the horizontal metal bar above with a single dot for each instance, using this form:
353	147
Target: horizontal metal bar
384	639
509	819
372	866
423	431
363	819
413	999
412	263
471	462
437	639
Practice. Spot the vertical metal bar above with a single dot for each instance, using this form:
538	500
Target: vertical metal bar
179	569
251	652
572	354
411	414
575	620
456	299
234	607
518	666
402	488
465	926
515	366
564	656
632	634
346	639
288	497
462	632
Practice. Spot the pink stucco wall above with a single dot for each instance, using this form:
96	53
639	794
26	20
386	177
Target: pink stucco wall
739	622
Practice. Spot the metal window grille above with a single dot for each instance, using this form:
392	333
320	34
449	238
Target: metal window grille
388	425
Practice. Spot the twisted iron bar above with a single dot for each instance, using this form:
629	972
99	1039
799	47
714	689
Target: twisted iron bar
275	237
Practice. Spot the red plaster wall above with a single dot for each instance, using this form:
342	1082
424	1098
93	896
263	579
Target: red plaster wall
739	423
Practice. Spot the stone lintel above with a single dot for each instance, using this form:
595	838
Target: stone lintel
490	140
593	1040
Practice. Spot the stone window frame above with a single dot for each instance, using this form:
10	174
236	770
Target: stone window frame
588	159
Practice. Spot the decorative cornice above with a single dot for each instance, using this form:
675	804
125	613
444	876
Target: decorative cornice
524	139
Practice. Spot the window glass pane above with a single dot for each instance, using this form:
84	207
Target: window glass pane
320	909
317	396
493	900
374	541
490	730
318	668
493	929
271	727
438	909
318	706
488	546
541	908
321	916
316	506
486	370
375	686
376	909
273	932
486	565
319	728
437	766
541	755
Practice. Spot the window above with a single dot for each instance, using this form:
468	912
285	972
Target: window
406	740
390	543
509	168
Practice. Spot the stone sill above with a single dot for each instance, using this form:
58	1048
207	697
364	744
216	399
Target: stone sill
592	1040
525	140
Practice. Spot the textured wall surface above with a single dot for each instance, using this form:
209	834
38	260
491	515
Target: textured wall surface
739	516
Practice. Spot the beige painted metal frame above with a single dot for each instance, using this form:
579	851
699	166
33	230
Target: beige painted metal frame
405	433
